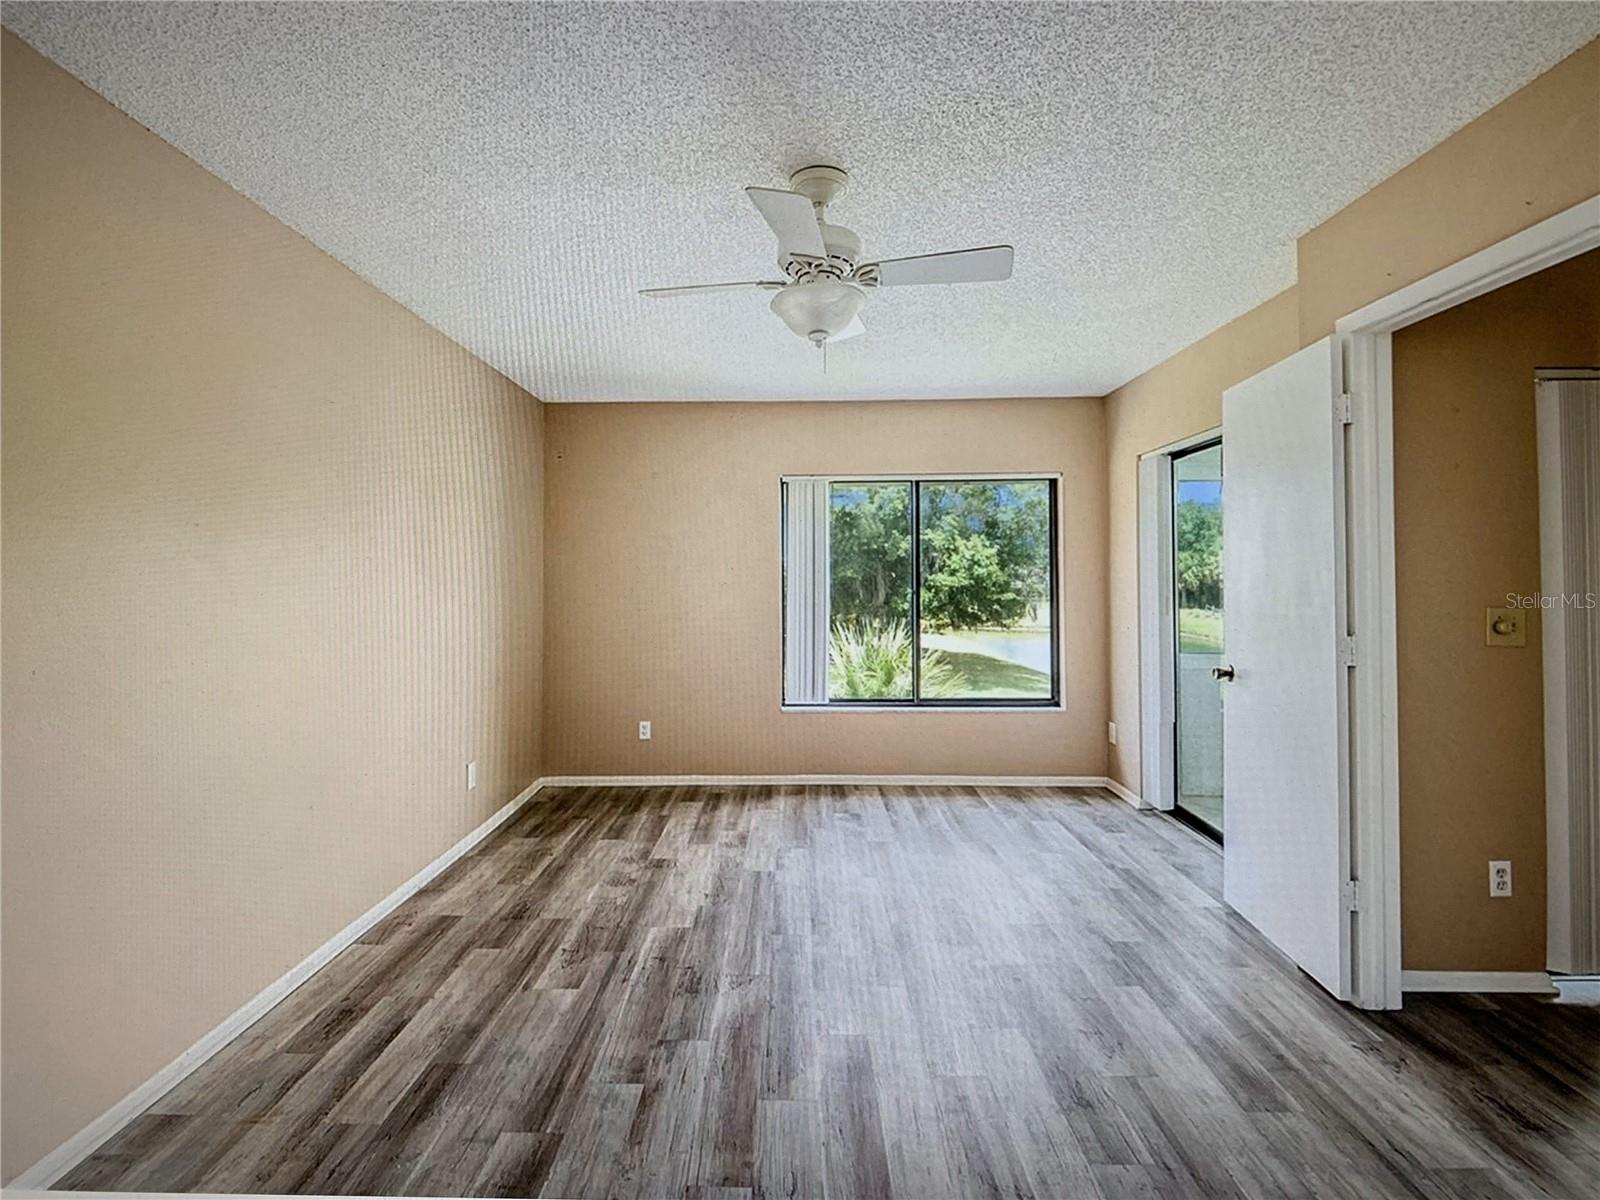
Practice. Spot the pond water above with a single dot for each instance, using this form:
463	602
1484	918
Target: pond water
1025	647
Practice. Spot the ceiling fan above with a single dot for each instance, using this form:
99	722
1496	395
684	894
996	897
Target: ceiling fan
825	282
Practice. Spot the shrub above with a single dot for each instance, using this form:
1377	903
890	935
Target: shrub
871	660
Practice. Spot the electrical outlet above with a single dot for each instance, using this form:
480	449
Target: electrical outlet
1499	877
472	775
644	731
1111	732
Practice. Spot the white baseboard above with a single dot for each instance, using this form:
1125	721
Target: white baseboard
1072	781
1536	983
80	1145
1117	789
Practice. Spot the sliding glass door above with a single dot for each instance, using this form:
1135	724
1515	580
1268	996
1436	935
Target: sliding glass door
1197	580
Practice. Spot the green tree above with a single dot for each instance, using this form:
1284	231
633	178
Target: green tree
985	552
870	551
1199	555
966	586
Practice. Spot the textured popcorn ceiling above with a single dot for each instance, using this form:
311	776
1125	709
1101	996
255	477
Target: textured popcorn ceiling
512	173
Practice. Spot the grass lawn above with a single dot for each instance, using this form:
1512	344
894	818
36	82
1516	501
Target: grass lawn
981	664
1199	631
983	677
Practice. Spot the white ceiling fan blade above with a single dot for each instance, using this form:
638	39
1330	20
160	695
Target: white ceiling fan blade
765	285
792	218
985	264
849	331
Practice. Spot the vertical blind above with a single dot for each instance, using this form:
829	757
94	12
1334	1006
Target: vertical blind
805	634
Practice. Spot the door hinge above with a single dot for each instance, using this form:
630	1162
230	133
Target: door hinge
1343	408
1352	895
1347	651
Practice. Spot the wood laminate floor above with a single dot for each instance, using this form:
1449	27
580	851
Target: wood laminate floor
722	992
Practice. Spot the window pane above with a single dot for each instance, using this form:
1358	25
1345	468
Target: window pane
1197	549
869	589
985	601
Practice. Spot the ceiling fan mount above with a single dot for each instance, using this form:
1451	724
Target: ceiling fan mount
825	282
819	184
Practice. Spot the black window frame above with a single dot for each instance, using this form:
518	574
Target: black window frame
915	482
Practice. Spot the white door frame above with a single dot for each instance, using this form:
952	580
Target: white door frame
1157	645
1571	684
1369	383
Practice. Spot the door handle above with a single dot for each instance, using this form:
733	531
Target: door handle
1224	674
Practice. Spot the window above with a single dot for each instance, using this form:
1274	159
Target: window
920	592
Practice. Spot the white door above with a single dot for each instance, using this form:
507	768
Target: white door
1286	849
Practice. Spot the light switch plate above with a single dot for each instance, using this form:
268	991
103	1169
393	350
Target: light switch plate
1505	627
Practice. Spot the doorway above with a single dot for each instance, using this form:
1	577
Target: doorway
1197	633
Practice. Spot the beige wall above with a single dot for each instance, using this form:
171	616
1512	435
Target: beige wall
1182	396
662	575
272	577
1533	155
1466	534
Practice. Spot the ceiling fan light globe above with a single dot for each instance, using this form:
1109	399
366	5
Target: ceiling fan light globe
825	306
